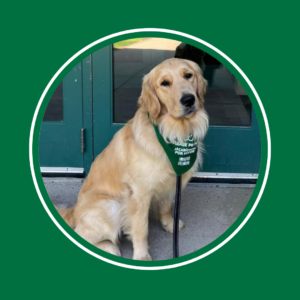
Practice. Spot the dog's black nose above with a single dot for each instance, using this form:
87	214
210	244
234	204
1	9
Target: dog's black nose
187	100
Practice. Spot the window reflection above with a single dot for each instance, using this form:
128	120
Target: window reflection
226	101
54	111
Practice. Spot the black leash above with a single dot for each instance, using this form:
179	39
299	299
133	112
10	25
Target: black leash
182	156
176	217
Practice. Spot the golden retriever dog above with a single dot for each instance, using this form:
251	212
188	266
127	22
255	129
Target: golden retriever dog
133	172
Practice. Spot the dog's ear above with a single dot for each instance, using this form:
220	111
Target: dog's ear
149	101
201	88
201	82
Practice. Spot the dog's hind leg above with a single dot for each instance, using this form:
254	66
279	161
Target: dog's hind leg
109	247
99	225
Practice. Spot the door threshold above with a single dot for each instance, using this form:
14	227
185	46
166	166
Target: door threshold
62	172
197	177
236	178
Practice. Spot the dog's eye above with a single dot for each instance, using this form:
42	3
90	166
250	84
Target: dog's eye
188	75
165	83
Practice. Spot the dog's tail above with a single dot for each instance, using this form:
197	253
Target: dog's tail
68	215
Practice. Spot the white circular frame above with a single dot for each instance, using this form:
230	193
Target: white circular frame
135	31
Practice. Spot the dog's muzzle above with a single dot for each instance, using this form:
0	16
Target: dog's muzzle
187	100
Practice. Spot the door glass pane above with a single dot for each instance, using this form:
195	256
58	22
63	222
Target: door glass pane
54	111
226	101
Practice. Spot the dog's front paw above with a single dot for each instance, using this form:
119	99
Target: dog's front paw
145	257
169	226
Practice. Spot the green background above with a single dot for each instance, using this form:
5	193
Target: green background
38	261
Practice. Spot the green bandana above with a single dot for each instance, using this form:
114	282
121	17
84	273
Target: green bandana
182	156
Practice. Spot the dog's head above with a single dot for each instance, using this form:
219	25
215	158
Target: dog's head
175	87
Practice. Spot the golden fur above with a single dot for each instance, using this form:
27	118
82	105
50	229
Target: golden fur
133	172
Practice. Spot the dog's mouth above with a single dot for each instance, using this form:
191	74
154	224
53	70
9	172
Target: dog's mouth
188	112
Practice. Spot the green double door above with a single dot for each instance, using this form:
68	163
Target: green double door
65	144
100	94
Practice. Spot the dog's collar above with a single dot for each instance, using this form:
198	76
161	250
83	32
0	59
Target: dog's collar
182	156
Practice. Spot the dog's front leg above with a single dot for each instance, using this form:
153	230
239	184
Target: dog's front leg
165	214
139	211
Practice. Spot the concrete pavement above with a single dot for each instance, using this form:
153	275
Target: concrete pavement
207	210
